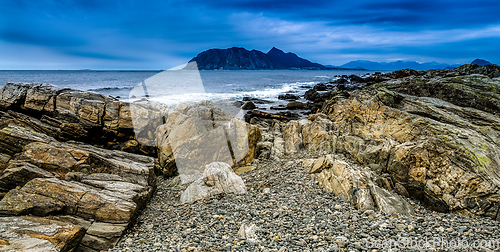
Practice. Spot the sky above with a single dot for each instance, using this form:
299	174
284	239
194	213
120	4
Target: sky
141	35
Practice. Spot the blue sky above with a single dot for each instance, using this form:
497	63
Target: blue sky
129	34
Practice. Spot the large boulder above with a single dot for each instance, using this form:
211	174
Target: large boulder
197	134
355	184
217	178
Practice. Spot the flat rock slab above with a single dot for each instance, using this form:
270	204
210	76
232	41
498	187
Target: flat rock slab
31	234
75	198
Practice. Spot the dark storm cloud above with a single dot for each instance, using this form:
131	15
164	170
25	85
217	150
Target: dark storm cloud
170	32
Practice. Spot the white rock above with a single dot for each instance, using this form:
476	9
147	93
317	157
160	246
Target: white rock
247	231
217	178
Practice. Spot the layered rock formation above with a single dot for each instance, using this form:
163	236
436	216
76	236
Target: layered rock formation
84	197
92	192
424	135
67	114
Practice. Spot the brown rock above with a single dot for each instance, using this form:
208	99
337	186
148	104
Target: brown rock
25	233
71	198
249	105
400	189
196	135
19	173
14	138
295	105
384	183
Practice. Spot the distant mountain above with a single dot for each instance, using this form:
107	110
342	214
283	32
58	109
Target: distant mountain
237	58
396	65
481	62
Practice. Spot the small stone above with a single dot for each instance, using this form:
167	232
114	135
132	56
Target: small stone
400	227
411	228
369	213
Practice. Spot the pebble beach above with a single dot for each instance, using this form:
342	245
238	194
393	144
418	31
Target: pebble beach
288	211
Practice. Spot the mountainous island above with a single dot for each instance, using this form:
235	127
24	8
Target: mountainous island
238	58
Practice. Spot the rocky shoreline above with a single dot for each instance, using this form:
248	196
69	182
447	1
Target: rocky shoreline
403	156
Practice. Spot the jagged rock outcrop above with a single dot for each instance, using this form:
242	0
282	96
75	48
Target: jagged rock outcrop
197	134
218	178
436	139
356	185
93	193
67	114
237	58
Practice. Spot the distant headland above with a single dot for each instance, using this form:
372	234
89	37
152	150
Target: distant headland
239	58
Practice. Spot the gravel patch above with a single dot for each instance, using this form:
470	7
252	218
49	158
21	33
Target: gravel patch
292	213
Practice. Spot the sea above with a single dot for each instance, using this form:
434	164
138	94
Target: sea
173	87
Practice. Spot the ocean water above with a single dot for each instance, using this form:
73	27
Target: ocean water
174	87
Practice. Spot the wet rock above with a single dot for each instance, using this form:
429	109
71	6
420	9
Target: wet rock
12	95
312	95
249	105
217	178
296	105
288	97
320	87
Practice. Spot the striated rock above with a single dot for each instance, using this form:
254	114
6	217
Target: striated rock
76	198
67	114
355	185
19	173
101	236
391	203
14	138
198	134
217	178
106	186
12	95
20	202
268	116
38	234
320	164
